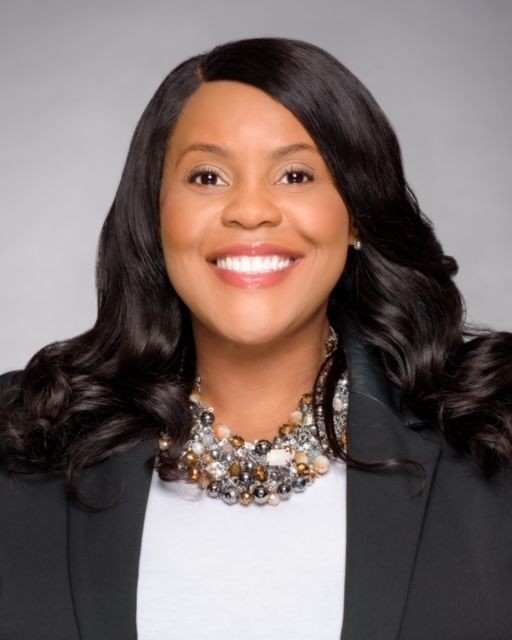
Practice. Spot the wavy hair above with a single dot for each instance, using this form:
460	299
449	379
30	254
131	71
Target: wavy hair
82	400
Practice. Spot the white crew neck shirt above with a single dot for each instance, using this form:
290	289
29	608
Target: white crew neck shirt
225	572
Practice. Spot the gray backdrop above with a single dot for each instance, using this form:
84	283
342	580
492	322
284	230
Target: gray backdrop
75	77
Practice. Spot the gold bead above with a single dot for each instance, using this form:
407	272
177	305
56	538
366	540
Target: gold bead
303	469
204	481
260	473
234	469
207	458
245	498
237	441
195	474
190	457
307	398
286	430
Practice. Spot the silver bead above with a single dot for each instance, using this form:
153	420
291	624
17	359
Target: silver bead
229	496
214	489
299	484
262	447
260	494
245	477
207	418
283	490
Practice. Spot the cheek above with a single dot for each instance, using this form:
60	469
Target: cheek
175	229
327	223
181	233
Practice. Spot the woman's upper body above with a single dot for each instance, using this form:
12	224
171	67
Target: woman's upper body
263	203
435	564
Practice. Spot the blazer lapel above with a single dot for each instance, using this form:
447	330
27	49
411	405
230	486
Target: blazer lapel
104	547
384	517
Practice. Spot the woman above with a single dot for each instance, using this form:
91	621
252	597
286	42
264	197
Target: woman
277	327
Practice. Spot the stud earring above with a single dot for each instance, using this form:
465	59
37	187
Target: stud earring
358	245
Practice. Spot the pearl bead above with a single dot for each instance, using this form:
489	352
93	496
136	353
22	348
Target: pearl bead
295	417
216	470
208	439
198	448
321	464
221	431
301	457
273	499
164	443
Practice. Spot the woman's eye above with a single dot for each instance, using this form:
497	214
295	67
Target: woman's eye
205	178
298	176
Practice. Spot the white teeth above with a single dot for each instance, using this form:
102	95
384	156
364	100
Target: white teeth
253	264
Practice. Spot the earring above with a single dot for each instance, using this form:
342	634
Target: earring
358	245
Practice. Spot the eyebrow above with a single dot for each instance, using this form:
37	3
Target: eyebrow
277	153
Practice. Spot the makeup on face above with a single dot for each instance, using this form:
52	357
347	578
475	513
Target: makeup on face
254	231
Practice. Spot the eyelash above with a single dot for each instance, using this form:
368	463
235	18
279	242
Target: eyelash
201	171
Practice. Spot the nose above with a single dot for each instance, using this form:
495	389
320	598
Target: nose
251	206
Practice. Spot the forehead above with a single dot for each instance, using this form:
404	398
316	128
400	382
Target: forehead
233	113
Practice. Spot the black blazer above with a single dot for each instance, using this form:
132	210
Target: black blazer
434	566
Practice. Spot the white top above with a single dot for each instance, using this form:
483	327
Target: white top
225	572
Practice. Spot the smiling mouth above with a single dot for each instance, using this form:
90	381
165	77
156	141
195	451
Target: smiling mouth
249	265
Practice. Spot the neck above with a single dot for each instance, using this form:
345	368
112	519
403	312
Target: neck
253	388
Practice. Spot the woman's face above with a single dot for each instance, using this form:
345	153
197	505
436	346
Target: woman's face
254	232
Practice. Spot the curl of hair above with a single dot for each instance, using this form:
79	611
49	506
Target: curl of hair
128	378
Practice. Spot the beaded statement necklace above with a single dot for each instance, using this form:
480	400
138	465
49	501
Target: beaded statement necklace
236	471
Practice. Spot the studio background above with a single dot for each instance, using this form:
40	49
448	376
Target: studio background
75	78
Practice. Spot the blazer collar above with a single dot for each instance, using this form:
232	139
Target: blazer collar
384	517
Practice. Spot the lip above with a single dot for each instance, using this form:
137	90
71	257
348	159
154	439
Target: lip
254	249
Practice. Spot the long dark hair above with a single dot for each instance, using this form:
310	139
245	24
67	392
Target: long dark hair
82	400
